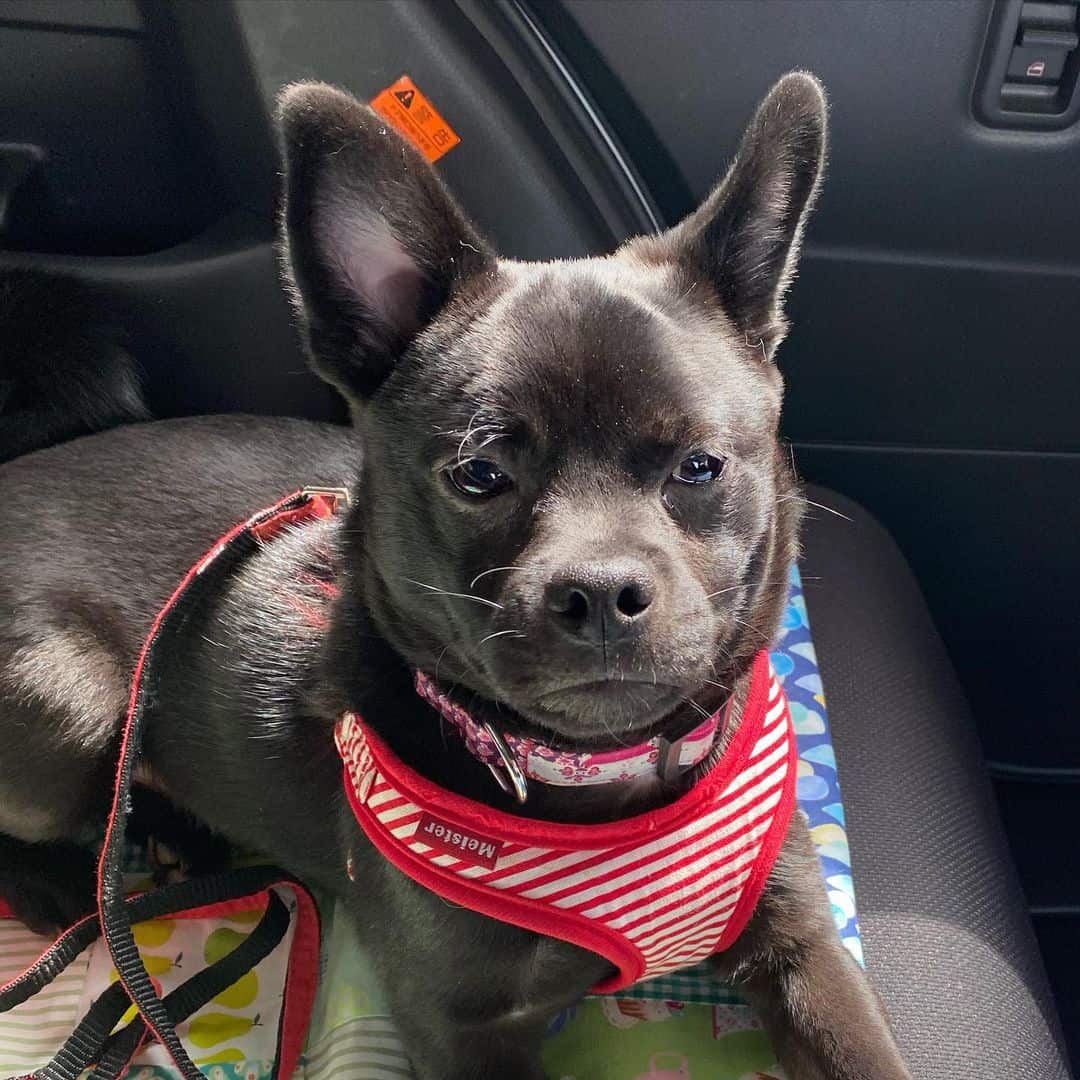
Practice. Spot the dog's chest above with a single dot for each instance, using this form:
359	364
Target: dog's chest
518	973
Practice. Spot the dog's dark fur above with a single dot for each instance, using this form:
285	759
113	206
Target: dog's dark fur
588	383
63	370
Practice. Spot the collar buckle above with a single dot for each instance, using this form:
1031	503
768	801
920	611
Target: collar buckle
513	780
668	765
338	495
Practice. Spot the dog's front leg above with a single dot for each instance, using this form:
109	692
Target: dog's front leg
471	997
498	1051
457	1025
825	1020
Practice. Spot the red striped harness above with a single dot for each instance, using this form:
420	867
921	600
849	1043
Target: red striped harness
651	893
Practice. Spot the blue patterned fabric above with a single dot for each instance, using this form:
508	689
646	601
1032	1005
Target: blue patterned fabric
795	663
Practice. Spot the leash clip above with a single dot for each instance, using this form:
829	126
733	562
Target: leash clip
514	781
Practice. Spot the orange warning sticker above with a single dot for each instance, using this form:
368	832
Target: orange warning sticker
403	106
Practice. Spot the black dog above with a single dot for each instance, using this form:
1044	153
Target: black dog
570	508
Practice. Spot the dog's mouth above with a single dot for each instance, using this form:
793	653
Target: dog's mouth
635	699
607	708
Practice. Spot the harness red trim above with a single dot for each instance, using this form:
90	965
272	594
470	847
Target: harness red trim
652	893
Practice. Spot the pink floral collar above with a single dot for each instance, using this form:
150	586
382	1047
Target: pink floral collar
514	760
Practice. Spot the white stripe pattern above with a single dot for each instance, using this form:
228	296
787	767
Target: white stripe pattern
671	896
30	1035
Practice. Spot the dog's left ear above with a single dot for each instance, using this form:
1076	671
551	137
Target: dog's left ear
745	237
374	244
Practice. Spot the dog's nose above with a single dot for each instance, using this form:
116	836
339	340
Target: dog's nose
601	601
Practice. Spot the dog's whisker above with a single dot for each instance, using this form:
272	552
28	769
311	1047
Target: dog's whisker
468	435
457	595
495	570
474	427
459	654
755	631
719	685
497	634
439	660
488	440
828	510
700	709
730	588
743	622
614	737
464	596
817	505
748	585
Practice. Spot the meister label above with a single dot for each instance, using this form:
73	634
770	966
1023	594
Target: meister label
453	840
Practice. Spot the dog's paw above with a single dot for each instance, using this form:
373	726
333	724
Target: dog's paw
198	853
53	894
177	845
167	866
45	911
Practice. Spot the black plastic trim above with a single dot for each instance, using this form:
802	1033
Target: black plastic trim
988	103
620	162
71	28
1024	774
207	322
569	113
201	53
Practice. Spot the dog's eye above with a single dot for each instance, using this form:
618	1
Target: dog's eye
478	478
699	468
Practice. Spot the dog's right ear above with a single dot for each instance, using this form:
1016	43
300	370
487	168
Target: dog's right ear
373	244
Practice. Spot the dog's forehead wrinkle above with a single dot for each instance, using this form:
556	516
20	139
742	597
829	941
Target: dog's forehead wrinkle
623	288
591	359
579	347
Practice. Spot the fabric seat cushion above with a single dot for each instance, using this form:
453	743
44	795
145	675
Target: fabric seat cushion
945	928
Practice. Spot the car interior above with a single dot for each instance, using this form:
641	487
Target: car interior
933	395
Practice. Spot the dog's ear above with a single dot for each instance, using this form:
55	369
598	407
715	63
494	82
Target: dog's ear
373	244
745	237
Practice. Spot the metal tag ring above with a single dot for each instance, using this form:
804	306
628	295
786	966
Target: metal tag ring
513	782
